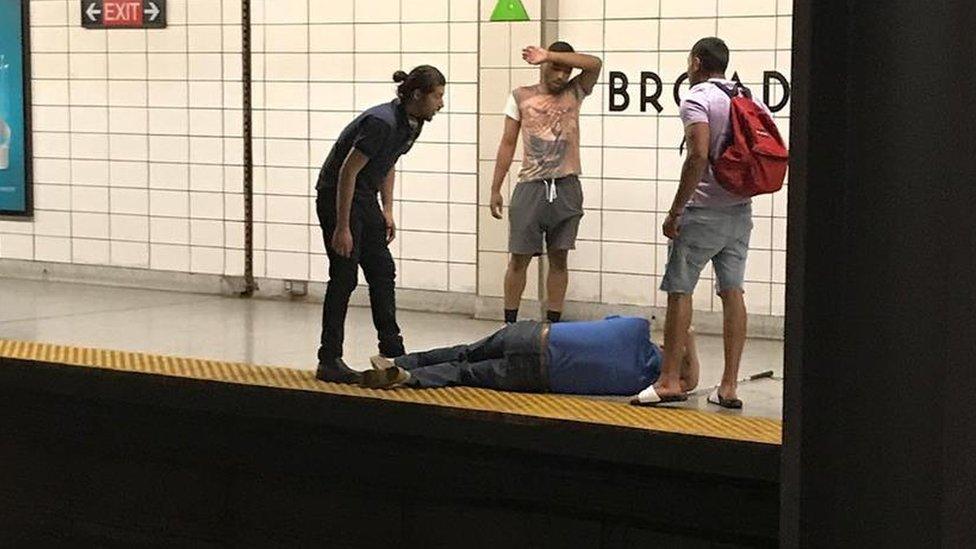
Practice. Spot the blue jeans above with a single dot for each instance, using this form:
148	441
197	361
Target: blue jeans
719	235
508	360
371	252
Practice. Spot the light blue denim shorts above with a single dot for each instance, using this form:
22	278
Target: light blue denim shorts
719	235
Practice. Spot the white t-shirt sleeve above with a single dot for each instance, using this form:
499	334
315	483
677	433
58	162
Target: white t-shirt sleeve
512	108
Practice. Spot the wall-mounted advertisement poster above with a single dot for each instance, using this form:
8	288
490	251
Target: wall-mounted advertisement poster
15	167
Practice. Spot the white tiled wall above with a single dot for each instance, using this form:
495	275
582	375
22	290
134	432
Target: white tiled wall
137	140
138	149
317	65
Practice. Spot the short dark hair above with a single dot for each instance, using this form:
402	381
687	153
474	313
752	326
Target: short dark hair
424	78
562	47
713	52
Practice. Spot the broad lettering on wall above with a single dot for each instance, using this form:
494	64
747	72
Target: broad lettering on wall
652	88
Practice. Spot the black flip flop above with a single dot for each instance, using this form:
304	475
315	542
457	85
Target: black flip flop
730	403
649	397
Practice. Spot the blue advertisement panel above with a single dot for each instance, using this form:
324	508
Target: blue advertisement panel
15	168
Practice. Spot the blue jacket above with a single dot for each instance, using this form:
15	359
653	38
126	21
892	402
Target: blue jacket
614	356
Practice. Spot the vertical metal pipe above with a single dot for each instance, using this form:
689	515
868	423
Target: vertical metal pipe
249	285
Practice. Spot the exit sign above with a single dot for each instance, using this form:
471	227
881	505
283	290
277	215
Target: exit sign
123	14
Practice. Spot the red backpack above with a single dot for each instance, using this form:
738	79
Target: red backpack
755	159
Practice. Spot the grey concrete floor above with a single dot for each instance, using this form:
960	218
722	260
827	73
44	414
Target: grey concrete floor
281	333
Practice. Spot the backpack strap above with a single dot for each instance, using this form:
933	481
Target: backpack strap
731	92
734	91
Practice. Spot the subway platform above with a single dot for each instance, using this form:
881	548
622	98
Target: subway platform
145	398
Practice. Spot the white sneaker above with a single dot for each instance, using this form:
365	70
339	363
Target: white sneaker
380	362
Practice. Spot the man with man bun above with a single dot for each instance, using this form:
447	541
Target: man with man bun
358	228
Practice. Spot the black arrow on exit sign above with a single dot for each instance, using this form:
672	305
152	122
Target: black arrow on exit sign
123	14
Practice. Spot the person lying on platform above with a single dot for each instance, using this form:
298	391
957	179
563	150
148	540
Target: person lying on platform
614	356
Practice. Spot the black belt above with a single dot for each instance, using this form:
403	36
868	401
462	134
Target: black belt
544	354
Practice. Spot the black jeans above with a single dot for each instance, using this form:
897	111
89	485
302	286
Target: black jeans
370	251
508	360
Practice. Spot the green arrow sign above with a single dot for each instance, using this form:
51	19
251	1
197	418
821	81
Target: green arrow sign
509	10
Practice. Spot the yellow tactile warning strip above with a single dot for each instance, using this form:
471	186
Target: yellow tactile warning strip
560	407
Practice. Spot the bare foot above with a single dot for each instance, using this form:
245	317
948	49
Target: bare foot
659	394
690	365
728	392
668	389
